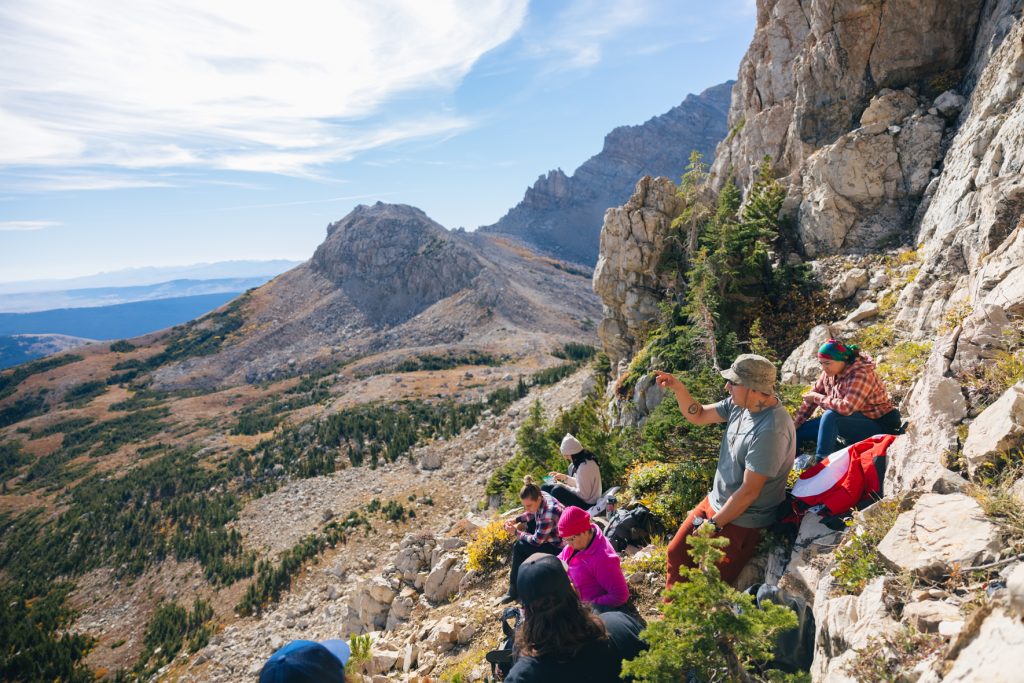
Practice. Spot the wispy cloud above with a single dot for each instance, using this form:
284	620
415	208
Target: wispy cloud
579	33
22	226
327	200
271	87
73	180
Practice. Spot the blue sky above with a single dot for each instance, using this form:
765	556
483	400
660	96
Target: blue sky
158	133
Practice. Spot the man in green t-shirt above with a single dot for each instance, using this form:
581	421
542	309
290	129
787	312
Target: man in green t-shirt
754	460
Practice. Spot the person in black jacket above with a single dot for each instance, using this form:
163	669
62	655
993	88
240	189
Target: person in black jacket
560	639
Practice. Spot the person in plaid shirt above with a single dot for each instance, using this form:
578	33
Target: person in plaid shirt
536	530
853	398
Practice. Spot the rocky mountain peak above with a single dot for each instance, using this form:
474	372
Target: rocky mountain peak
562	215
393	261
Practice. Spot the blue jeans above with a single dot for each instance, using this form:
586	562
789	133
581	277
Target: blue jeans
853	428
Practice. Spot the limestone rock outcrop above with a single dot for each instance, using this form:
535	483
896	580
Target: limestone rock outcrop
862	190
940	533
998	430
812	70
393	261
627	277
562	214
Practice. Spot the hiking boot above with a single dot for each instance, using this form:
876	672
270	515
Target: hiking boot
507	598
499	656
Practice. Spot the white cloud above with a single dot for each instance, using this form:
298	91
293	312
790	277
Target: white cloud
232	84
72	181
22	226
580	32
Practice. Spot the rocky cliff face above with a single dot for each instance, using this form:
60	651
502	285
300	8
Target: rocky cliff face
562	214
896	122
388	279
844	98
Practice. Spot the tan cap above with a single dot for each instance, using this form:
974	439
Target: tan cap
751	370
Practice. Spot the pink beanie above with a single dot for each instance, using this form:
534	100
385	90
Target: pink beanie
573	521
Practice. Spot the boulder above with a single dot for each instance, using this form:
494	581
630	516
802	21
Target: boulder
939	533
430	459
994	654
999	428
401	609
949	104
802	365
887	108
409	655
866	311
847	623
805	567
647	394
443	635
443	580
414	555
370	606
926	615
383	661
935	406
848	284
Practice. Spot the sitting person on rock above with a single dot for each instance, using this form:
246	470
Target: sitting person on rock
582	486
305	661
754	460
593	565
560	639
536	530
855	402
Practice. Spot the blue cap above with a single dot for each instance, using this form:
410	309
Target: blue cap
305	661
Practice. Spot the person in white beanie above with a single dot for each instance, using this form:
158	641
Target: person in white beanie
582	485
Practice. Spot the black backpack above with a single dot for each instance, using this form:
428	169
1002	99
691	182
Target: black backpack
502	658
630	527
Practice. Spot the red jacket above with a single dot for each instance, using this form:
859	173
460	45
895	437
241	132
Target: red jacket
596	572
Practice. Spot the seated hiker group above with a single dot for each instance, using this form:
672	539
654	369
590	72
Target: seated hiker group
578	622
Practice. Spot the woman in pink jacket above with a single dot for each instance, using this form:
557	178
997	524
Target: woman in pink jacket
591	562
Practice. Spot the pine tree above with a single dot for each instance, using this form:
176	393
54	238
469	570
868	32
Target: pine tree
696	205
709	629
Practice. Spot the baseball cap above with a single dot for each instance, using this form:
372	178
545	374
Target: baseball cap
541	576
751	370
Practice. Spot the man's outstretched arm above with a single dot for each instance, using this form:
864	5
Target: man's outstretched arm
692	410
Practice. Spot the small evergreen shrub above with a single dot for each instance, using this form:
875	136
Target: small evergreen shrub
361	648
709	630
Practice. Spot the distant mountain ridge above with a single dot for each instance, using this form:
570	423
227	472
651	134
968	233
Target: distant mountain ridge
134	277
29	302
562	215
114	322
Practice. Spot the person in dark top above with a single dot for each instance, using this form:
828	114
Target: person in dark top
560	639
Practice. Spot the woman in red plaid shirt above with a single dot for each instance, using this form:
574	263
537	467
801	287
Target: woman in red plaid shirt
853	398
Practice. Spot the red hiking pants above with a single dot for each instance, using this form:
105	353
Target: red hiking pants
742	546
